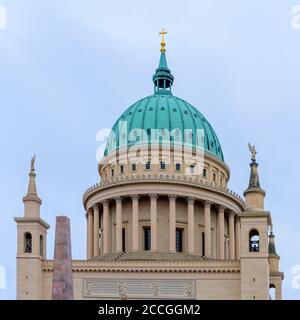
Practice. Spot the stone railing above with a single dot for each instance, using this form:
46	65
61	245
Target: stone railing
198	182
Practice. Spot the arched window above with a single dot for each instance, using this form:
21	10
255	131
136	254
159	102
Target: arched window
254	241
272	291
28	242
41	245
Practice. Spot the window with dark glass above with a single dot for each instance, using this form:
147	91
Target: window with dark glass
162	165
203	244
133	166
112	172
204	173
147	238
179	233
178	167
214	177
41	245
122	169
123	240
192	169
148	165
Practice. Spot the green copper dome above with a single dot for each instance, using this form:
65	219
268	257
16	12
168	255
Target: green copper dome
163	111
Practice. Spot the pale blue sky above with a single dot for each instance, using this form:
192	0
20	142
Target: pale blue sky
69	68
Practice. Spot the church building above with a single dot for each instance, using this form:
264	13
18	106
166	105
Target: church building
161	223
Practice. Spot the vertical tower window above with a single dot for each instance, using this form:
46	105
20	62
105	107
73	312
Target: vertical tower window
28	242
122	169
133	167
162	165
41	245
147	238
192	169
178	167
112	172
204	173
179	233
254	241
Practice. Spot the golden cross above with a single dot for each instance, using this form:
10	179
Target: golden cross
163	33
163	44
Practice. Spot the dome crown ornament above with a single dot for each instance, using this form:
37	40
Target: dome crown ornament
163	79
163	43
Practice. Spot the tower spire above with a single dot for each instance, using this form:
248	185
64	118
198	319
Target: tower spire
254	194
163	79
272	248
31	200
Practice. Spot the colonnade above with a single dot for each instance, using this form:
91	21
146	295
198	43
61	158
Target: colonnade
93	234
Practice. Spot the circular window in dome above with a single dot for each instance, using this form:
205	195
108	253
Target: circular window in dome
212	144
150	109
174	109
185	111
140	110
162	108
130	113
195	115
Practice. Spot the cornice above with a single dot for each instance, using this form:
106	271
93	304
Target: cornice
162	179
201	266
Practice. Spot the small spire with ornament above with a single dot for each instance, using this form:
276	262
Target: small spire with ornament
254	194
163	78
163	43
32	201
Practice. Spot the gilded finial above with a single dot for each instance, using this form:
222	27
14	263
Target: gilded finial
163	43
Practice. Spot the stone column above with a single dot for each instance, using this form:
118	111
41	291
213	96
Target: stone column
172	223
153	213
191	226
62	283
90	233
221	232
96	230
118	224
207	228
105	204
135	223
237	238
231	236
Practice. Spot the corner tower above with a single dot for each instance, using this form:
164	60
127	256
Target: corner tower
31	244
254	239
